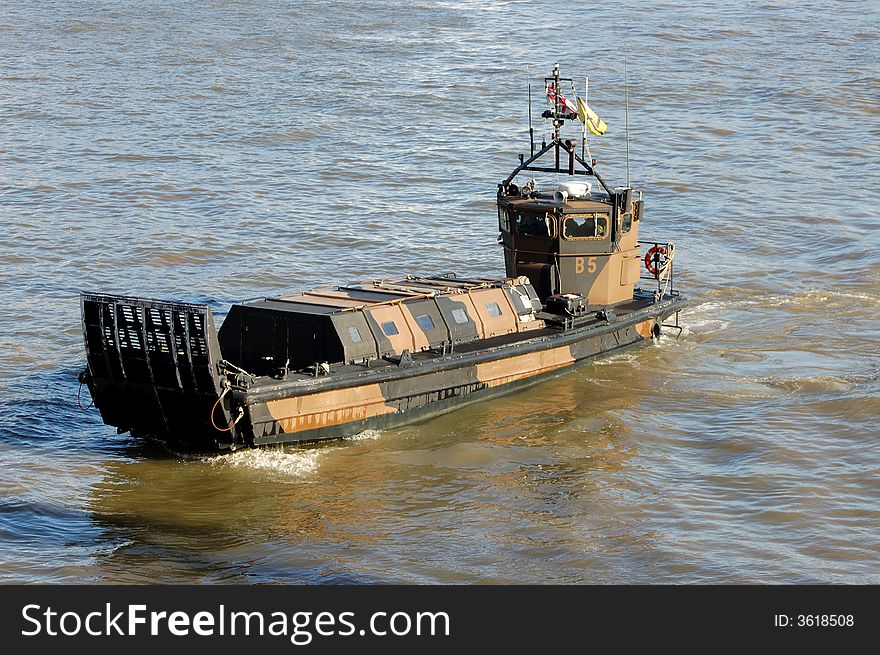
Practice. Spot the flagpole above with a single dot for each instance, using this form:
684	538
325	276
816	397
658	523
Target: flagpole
584	127
587	102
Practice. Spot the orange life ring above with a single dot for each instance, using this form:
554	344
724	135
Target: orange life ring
659	251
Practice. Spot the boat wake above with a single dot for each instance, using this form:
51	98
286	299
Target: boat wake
288	463
812	384
703	319
366	435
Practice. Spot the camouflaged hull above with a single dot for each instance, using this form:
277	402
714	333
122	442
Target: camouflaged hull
157	369
306	411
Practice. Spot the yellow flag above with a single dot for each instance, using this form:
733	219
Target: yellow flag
589	118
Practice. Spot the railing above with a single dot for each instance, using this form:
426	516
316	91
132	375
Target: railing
664	268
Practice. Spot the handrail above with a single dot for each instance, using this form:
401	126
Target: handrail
571	150
657	277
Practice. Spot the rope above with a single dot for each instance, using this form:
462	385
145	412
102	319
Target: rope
214	409
79	404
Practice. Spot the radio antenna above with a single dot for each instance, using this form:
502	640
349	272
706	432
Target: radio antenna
626	123
531	131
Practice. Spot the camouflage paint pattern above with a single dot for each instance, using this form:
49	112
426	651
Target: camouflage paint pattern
509	369
329	408
350	410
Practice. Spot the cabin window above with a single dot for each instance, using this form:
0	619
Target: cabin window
503	220
493	309
460	316
425	322
389	328
533	225
585	226
626	222
354	335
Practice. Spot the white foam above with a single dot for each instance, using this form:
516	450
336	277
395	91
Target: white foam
365	435
289	463
703	326
833	293
616	358
704	318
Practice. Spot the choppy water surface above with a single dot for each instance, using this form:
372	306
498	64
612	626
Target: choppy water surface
218	151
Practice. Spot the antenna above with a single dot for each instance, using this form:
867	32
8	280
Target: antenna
626	94
531	131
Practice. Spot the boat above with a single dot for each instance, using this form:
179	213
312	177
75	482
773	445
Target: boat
336	361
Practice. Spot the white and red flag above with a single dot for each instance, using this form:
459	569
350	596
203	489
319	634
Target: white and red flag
569	106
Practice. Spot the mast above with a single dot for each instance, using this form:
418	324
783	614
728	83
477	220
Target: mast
557	124
626	121
559	112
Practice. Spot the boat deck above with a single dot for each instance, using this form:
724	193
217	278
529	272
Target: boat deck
557	329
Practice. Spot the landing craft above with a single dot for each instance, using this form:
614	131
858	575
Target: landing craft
335	361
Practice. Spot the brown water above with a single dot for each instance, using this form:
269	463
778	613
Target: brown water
213	152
